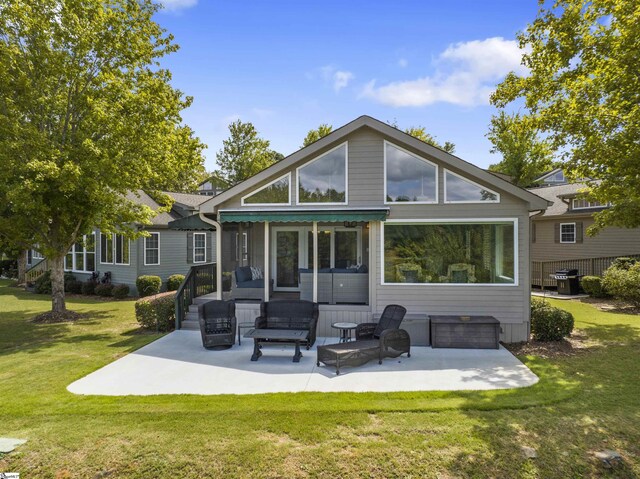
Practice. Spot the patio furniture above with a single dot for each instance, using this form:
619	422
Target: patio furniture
345	330
261	336
373	340
475	332
245	287
290	314
460	273
218	324
336	285
241	326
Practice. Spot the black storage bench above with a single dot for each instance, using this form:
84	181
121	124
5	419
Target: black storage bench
472	332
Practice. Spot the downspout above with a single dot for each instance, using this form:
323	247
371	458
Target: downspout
218	227
538	213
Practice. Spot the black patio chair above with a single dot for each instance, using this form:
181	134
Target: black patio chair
218	324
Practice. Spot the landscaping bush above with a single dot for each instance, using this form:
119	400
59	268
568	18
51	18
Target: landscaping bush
74	287
592	285
549	323
623	282
43	283
9	268
89	287
148	285
105	290
158	311
120	291
174	281
623	263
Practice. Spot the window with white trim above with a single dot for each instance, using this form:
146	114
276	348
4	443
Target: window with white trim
567	232
37	255
581	203
82	255
114	249
152	249
275	193
199	247
451	253
461	190
106	248
324	180
408	178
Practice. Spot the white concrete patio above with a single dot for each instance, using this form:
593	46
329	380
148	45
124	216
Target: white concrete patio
178	364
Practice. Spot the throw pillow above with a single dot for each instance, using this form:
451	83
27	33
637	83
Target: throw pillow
256	273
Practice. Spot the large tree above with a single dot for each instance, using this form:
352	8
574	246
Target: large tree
244	154
525	156
420	132
582	90
314	135
87	115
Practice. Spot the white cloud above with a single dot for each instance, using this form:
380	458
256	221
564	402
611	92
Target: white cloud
465	74
338	78
174	5
403	63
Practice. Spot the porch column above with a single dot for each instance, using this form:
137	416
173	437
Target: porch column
267	277
315	261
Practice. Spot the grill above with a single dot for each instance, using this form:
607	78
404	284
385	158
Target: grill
568	281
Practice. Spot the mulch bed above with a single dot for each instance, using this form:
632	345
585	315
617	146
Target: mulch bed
577	343
51	317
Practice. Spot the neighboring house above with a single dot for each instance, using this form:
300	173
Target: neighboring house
162	253
368	216
559	234
552	178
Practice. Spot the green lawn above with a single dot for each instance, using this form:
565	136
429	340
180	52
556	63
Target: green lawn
584	403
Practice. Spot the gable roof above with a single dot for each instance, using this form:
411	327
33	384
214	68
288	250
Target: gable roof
190	200
161	219
555	194
535	202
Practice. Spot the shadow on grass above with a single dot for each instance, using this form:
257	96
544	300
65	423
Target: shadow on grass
612	333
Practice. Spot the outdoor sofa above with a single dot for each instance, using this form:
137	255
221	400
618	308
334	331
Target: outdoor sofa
373	341
336	285
245	287
290	314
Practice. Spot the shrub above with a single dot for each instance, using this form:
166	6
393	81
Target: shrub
105	290
43	283
592	285
158	311
75	287
9	268
549	323
623	263
148	285
89	287
120	291
174	281
623	283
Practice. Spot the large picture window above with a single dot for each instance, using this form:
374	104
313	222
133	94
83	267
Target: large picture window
408	178
469	252
274	193
324	180
82	255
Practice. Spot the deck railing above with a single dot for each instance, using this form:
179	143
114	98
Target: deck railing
200	280
541	271
33	273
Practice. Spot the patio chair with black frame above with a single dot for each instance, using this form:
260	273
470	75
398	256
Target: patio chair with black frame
218	324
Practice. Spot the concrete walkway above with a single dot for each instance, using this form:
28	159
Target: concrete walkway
178	364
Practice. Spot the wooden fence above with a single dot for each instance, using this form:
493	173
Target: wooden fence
541	271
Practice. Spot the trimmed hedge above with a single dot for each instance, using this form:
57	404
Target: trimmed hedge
89	287
623	282
592	285
549	323
9	268
105	290
157	312
74	287
623	263
43	284
148	285
174	281
120	291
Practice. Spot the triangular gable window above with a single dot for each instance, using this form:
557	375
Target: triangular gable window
460	190
324	180
275	193
408	178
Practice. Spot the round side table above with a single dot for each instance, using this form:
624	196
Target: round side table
345	330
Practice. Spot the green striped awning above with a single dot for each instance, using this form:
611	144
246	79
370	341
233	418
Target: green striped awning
324	216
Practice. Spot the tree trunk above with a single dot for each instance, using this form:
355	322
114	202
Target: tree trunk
57	285
22	266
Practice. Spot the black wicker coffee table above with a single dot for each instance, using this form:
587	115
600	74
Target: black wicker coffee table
261	336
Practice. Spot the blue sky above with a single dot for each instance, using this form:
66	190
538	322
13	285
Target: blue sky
288	66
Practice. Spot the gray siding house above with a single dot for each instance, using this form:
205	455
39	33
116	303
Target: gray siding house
559	239
368	216
163	253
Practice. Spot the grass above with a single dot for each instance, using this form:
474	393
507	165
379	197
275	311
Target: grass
584	403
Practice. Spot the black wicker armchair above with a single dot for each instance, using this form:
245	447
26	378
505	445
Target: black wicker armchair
373	341
218	324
